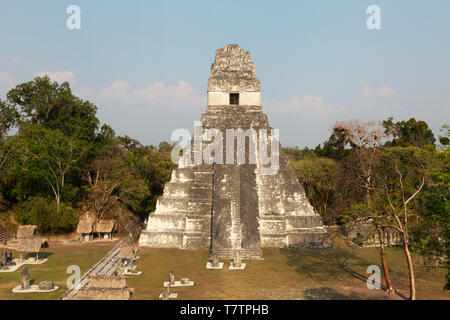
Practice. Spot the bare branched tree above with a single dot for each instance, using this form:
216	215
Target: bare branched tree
366	138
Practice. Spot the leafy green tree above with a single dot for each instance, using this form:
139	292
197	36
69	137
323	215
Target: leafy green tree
403	172
8	118
444	137
294	153
335	147
409	133
319	177
55	107
432	238
112	182
154	166
49	158
48	218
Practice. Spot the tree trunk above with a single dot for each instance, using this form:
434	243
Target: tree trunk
387	276
412	282
58	200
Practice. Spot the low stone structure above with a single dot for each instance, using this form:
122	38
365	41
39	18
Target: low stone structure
185	282
46	285
104	294
26	287
237	206
215	262
365	235
101	281
102	287
166	295
26	231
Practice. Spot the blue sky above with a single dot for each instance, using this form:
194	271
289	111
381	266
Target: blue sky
145	64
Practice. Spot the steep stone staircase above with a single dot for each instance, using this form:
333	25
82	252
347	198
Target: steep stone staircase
4	235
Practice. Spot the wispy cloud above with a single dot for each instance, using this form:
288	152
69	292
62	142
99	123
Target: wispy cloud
383	91
306	105
180	95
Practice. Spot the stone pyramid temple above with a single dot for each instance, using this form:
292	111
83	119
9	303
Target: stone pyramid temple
235	206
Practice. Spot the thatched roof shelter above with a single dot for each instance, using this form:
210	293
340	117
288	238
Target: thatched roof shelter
107	282
105	226
126	253
84	226
26	231
104	294
31	244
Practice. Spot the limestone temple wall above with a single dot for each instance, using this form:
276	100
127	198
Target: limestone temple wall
229	207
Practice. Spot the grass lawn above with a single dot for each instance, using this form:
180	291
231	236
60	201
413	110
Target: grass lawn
59	258
336	273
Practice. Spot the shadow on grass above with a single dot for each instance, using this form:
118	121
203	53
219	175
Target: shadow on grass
328	264
44	255
328	294
325	264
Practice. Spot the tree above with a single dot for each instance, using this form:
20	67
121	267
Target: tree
55	107
335	146
366	139
409	133
154	167
294	153
8	118
47	156
444	138
433	237
404	178
319	177
112	181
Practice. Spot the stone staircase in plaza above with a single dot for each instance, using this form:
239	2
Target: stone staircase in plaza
107	266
